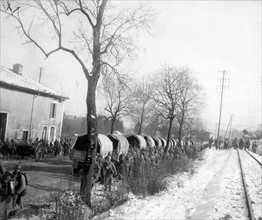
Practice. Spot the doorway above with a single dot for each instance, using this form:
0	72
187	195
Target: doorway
52	134
3	118
25	136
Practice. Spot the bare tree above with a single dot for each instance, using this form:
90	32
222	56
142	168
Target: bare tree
141	109
118	97
190	100
153	124
166	95
95	34
193	127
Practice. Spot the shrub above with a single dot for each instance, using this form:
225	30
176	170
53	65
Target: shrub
107	200
148	180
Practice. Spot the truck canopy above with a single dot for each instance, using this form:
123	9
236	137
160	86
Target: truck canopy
149	142
163	141
136	141
120	143
158	142
78	149
104	145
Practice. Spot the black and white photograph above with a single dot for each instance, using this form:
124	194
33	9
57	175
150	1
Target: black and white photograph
131	109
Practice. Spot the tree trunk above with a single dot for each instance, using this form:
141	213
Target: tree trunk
140	129
142	120
91	147
169	134
155	128
180	130
180	133
112	125
92	133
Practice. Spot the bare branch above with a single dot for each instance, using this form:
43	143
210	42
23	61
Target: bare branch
86	14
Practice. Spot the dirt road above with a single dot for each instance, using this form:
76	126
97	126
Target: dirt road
49	175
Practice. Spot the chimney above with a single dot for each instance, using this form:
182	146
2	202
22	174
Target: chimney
18	68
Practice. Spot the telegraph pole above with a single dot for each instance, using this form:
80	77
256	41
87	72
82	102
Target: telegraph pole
229	136
41	70
223	81
229	125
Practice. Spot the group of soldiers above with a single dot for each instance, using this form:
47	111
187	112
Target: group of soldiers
10	149
59	148
125	166
241	143
244	144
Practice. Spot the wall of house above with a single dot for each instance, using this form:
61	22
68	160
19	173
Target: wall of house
18	107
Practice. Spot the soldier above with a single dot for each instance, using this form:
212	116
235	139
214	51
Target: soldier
122	168
254	146
109	171
226	144
100	161
67	150
57	148
247	144
241	143
2	168
235	143
97	171
157	157
20	188
129	163
5	149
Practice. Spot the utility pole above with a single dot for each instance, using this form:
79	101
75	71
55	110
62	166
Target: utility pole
31	117
229	124
223	84
229	136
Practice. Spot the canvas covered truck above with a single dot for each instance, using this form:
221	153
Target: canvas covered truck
136	141
78	152
120	144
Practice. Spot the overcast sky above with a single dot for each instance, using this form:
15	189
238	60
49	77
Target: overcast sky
206	36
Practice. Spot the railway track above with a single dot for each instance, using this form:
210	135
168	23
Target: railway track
252	194
259	162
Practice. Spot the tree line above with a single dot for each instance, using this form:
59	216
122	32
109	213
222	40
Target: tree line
168	103
171	97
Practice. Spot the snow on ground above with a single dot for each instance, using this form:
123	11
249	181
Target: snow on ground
214	191
226	192
253	179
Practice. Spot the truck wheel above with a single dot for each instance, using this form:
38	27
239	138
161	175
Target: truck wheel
76	170
37	156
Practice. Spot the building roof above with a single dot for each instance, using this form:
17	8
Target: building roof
14	81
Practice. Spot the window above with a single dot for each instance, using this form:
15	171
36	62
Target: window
44	133
52	133
53	110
